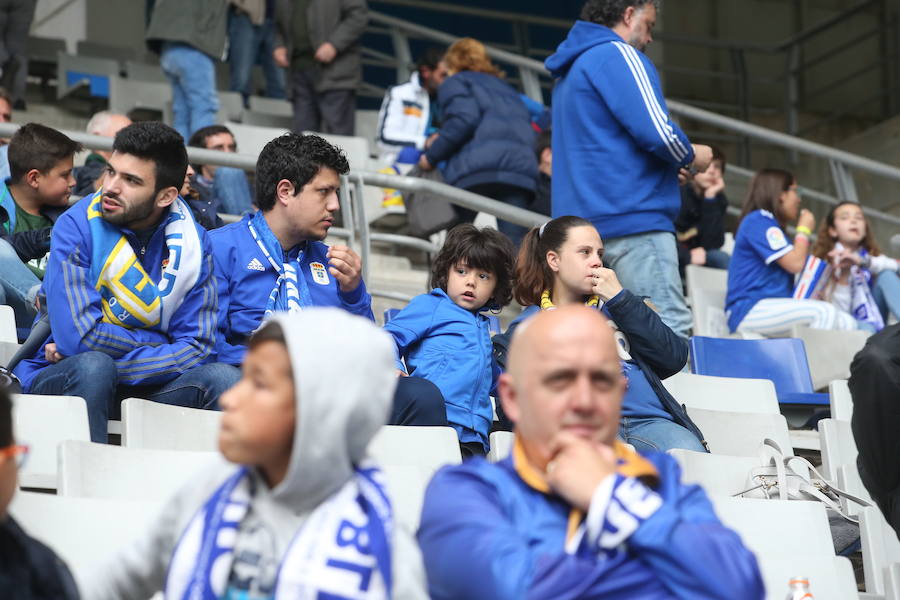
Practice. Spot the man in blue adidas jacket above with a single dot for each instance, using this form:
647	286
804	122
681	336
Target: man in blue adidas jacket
130	288
617	154
275	260
572	513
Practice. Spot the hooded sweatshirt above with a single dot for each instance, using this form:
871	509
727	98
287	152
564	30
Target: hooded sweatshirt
344	385
616	152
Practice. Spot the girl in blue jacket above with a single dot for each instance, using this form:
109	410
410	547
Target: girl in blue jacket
444	337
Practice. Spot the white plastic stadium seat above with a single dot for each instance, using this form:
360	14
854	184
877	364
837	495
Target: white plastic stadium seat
740	434
104	471
43	422
880	550
723	393
718	474
85	532
251	139
158	426
501	445
706	289
841	400
838	446
8	324
829	353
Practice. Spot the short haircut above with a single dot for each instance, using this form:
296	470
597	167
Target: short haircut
155	141
36	146
485	249
297	158
431	57
718	155
269	332
199	137
6	432
611	12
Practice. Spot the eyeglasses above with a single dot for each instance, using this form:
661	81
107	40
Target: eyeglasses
18	452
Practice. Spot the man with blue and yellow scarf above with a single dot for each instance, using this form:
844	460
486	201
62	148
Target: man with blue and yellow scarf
131	292
572	513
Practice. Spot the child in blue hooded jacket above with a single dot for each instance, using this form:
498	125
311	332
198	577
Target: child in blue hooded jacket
444	337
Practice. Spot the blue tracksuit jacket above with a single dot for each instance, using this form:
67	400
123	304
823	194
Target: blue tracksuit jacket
486	534
142	356
450	347
616	152
246	279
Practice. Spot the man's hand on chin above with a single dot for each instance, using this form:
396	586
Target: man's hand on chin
577	467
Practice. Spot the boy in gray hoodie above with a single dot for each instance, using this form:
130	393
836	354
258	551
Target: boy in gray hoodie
298	511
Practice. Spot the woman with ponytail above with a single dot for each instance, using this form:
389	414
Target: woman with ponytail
561	263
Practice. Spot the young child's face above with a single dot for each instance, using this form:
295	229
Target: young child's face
55	186
258	413
849	225
710	176
470	288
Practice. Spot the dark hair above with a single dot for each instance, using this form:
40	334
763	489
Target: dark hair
764	192
718	155
825	243
199	137
155	141
297	158
611	12
485	249
543	142
5	95
36	146
533	274
6	432
270	332
430	58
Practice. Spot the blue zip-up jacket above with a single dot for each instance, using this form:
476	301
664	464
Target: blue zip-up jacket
486	534
616	152
142	356
246	279
486	134
450	347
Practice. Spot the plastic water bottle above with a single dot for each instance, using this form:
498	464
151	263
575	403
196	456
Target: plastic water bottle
799	589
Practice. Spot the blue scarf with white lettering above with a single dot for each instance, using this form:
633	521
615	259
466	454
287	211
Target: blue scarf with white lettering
291	293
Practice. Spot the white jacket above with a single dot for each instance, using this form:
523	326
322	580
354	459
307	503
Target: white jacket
403	119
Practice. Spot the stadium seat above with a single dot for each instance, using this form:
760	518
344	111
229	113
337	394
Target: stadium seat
140	71
251	139
367	126
718	474
829	353
271	106
42	56
85	532
706	289
264	119
42	423
74	72
740	433
157	426
126	95
101	50
723	393
880	551
781	360
841	401
8	324
838	446
501	445
790	538
89	470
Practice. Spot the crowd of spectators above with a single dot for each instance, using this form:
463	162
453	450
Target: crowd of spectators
148	294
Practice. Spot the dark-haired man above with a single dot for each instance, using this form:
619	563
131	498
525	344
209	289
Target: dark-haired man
224	189
131	292
31	200
610	124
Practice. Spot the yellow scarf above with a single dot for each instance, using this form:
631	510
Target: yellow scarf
547	303
630	464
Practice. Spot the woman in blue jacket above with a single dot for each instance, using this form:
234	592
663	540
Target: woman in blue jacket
486	136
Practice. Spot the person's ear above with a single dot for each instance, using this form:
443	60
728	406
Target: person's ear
32	178
166	196
628	16
553	260
832	233
284	191
508	398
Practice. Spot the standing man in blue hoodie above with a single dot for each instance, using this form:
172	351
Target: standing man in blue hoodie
618	153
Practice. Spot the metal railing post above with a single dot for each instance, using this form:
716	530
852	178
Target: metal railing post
365	240
531	84
346	200
402	53
844	185
792	95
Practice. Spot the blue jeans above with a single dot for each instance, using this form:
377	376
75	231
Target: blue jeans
887	294
18	285
193	78
93	376
232	189
252	44
647	265
418	401
655	434
717	259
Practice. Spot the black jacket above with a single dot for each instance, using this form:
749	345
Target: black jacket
30	244
29	570
707	216
656	349
875	388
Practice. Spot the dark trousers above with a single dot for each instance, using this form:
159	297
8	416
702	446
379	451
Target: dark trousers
15	20
333	111
875	387
419	402
508	194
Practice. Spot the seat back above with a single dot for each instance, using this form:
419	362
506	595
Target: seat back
707	289
90	470
8	325
251	139
741	433
829	352
73	71
128	94
271	106
718	474
838	446
265	119
141	71
153	425
880	548
501	445
723	393
43	422
841	400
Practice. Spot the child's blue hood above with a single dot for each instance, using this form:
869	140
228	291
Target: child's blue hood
582	37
